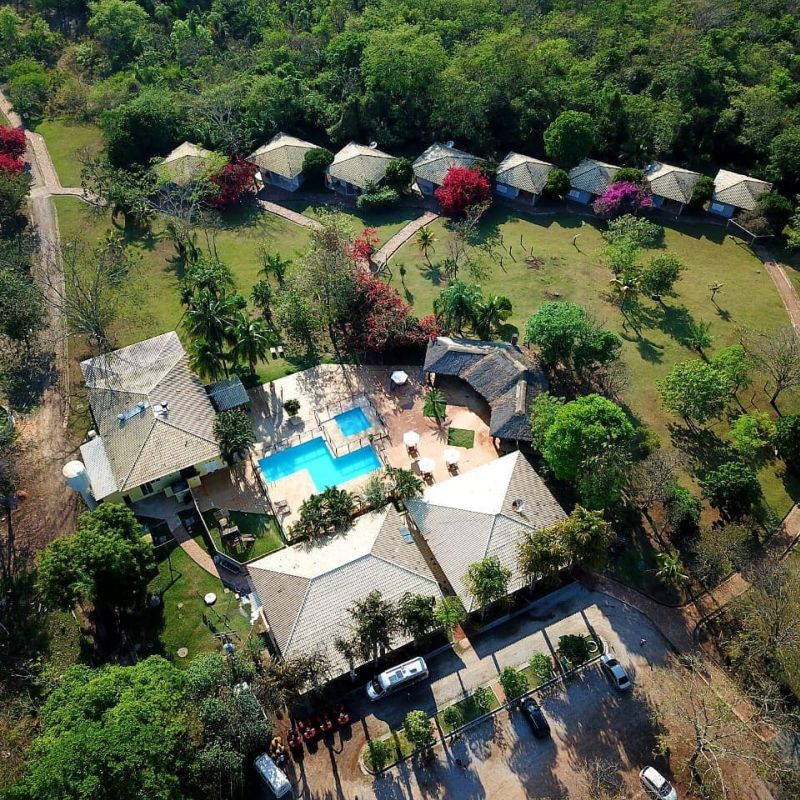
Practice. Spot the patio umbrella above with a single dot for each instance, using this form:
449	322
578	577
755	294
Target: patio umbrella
399	377
451	456
411	439
426	465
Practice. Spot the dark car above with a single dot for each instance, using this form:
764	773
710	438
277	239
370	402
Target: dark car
535	717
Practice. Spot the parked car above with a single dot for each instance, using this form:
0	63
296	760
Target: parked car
615	672
656	785
533	713
273	778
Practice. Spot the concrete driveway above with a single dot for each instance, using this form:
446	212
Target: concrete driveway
503	760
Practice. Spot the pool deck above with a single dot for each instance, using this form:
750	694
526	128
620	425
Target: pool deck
328	389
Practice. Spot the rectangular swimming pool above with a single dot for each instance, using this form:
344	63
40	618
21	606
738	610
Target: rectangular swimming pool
352	422
325	470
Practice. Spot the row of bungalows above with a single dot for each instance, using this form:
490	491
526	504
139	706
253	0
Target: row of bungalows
519	177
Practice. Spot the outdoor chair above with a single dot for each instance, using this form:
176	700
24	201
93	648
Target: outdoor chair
273	352
248	538
281	352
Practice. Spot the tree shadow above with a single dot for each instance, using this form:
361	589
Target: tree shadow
26	377
432	273
702	445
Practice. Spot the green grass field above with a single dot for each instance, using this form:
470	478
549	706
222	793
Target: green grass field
544	265
68	144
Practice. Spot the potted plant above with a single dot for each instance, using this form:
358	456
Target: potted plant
291	407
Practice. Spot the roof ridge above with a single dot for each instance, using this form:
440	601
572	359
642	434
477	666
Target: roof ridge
183	430
299	612
402	567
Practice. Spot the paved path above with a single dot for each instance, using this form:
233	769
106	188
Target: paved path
287	213
382	255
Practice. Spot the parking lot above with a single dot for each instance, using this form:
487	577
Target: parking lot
500	756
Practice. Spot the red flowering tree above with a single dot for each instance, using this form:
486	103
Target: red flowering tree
462	189
236	177
622	197
380	319
364	245
12	141
10	165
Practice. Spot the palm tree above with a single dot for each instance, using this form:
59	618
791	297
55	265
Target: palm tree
425	240
716	288
435	405
490	313
455	306
669	569
262	295
273	264
405	484
252	341
210	317
206	359
626	287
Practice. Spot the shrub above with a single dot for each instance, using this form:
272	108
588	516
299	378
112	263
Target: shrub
375	492
721	550
236	177
682	510
234	434
514	683
291	406
453	717
462	189
399	174
384	197
12	141
622	198
542	667
776	209
733	488
574	648
661	274
10	165
787	439
638	231
702	192
483	697
315	162
378	754
557	183
751	433
629	174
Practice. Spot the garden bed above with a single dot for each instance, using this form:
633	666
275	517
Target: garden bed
261	526
399	747
460	437
469	709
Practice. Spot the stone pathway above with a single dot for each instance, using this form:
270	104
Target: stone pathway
287	213
383	254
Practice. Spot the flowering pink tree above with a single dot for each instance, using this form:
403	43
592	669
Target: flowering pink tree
236	178
364	245
12	141
10	165
622	197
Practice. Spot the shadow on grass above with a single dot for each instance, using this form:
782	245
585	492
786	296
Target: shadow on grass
703	446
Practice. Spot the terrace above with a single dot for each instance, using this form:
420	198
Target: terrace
354	420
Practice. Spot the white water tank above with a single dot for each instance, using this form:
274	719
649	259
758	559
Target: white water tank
78	480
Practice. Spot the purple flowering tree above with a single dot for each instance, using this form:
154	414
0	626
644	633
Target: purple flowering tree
622	197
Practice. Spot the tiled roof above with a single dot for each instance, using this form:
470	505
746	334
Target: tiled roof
461	529
358	165
674	183
433	164
283	155
228	394
501	373
185	163
151	412
740	191
523	172
592	176
306	590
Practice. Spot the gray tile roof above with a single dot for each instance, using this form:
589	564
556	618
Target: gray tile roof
740	191
500	372
185	163
434	163
306	608
460	533
151	412
592	176
674	183
523	172
228	394
283	155
358	165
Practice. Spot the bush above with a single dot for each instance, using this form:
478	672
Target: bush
383	197
787	439
661	274
721	550
622	198
399	174
557	183
291	407
574	648
682	509
733	488
378	754
638	231
483	697
776	209
751	433
315	162
453	717
514	683
12	142
702	192
234	434
375	492
463	188
542	667
629	174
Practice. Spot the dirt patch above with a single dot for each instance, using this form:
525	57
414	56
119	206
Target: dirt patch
534	262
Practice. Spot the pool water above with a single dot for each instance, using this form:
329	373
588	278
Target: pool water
325	470
352	422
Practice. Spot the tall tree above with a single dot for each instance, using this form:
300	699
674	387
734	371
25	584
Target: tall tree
777	353
416	614
487	581
375	623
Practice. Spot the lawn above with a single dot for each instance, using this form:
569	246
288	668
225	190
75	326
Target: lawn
69	143
262	526
469	709
386	222
399	747
459	437
179	621
555	269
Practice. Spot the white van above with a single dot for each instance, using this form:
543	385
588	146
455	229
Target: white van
273	777
397	678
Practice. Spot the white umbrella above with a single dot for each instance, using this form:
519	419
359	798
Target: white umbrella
451	456
411	439
426	465
399	377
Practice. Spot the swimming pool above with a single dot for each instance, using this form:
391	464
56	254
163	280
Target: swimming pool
325	470
352	422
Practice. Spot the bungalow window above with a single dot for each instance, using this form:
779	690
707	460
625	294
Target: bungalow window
147	488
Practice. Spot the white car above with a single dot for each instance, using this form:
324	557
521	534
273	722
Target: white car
615	671
656	785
